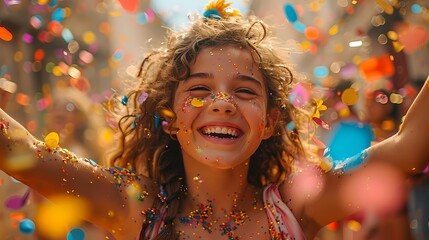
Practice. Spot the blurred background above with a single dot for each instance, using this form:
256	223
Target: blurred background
366	59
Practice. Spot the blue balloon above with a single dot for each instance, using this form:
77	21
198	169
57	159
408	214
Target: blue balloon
349	138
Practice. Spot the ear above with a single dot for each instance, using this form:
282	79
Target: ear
271	122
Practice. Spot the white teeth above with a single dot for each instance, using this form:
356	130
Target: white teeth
221	130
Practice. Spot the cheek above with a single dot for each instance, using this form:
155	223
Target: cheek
255	113
190	103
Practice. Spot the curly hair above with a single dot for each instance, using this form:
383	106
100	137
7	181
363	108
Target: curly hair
145	147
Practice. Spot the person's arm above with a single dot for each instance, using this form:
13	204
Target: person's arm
381	172
113	197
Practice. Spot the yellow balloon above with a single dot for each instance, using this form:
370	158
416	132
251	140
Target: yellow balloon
52	140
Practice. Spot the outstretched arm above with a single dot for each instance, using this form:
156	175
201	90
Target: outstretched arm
113	197
382	171
409	148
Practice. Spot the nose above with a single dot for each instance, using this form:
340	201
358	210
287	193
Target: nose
223	103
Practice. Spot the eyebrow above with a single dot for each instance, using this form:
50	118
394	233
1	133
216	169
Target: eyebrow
238	76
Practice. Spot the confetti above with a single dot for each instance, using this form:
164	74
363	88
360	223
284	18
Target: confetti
36	21
5	34
197	102
311	33
299	96
27	226
54	220
17	202
321	71
76	234
350	96
58	15
11	2
386	6
290	13
129	5
52	140
377	67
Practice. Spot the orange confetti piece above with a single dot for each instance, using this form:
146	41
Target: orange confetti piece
5	34
39	55
375	68
129	5
311	33
22	99
17	216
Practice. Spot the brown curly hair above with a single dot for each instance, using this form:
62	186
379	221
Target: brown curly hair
145	147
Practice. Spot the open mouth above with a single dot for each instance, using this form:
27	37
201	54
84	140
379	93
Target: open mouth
221	132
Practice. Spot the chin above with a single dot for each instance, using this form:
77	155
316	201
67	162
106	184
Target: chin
221	163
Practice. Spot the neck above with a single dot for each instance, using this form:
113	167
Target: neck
224	189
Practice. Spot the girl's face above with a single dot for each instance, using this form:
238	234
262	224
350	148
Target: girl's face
222	108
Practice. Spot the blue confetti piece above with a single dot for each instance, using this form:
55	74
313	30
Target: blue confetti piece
27	226
299	26
321	71
290	13
76	234
157	120
124	100
415	8
142	18
58	15
53	3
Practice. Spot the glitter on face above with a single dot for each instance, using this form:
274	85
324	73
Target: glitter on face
224	97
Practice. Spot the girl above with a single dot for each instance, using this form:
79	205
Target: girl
210	146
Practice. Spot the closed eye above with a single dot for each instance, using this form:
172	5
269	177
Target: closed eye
245	90
245	93
199	88
199	91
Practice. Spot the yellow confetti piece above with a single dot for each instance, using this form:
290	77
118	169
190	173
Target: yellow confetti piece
52	140
333	30
197	102
56	217
350	96
326	165
396	98
388	125
354	225
89	37
386	6
392	35
167	113
397	46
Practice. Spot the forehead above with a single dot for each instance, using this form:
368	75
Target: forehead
226	59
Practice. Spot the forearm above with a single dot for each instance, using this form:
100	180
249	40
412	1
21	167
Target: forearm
58	172
409	148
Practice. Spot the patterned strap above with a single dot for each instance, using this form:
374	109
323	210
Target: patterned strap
283	224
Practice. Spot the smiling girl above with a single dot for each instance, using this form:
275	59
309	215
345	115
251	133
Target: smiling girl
210	146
